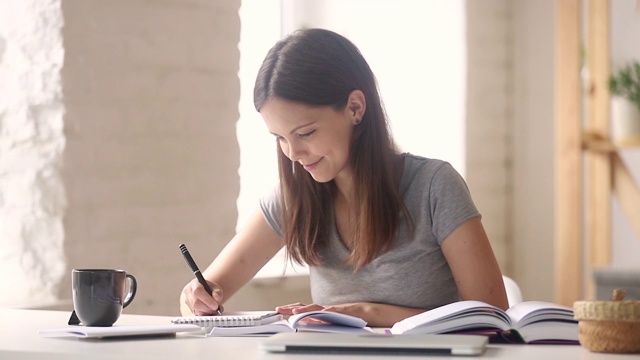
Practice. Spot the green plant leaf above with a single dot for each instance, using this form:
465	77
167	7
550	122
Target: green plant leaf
625	82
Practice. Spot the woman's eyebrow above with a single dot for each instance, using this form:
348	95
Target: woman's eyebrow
301	126
297	128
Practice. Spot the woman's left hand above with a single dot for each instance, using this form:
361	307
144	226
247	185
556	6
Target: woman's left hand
298	308
377	315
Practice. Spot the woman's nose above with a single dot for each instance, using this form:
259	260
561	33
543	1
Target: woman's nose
296	151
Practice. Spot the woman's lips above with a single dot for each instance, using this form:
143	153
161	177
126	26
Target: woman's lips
312	166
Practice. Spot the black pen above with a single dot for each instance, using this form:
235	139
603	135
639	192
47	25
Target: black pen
196	271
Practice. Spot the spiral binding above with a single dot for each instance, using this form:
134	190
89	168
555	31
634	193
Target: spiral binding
224	320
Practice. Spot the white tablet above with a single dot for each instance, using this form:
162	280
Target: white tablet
380	344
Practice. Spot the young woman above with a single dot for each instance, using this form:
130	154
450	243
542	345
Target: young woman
386	235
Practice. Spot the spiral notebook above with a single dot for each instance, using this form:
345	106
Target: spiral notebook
231	319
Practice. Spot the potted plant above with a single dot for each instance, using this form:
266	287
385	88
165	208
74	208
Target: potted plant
624	85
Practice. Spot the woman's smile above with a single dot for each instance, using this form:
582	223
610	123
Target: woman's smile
312	166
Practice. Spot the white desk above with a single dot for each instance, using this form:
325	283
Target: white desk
19	339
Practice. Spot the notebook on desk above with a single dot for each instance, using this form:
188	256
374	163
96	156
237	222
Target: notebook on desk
231	319
379	344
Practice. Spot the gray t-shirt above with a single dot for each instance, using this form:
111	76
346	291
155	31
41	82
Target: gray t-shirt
414	272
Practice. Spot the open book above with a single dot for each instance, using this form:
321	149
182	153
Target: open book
527	322
318	321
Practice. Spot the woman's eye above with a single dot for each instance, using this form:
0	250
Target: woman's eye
307	134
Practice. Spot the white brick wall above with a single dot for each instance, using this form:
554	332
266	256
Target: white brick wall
150	90
32	198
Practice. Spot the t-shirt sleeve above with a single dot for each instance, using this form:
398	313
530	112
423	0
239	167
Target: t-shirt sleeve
270	206
451	203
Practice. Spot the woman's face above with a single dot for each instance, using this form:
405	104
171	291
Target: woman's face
317	137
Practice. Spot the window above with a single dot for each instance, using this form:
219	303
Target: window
415	48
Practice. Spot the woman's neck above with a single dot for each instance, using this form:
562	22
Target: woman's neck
345	188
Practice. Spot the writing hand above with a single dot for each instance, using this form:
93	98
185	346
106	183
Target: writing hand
199	302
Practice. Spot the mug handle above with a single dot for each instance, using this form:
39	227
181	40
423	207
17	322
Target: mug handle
133	286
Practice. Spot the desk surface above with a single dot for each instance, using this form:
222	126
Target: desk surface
20	340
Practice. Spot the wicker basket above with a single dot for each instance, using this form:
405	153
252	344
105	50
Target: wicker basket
609	326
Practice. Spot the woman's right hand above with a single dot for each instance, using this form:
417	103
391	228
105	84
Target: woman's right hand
196	301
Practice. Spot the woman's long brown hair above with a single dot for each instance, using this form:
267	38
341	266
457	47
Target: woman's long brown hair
321	67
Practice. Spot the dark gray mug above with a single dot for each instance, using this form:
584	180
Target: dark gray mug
99	295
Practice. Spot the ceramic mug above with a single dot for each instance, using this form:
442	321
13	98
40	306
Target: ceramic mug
99	294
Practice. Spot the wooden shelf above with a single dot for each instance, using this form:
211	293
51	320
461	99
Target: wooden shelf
584	189
594	142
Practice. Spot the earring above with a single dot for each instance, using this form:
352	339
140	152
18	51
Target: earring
293	167
357	122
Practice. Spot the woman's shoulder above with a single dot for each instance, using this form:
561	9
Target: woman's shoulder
416	164
421	172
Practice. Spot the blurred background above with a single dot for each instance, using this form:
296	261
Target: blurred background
127	128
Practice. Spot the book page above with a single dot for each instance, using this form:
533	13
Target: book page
333	323
331	328
280	326
459	315
556	332
534	311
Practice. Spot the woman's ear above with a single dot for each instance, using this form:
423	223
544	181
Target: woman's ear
357	105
